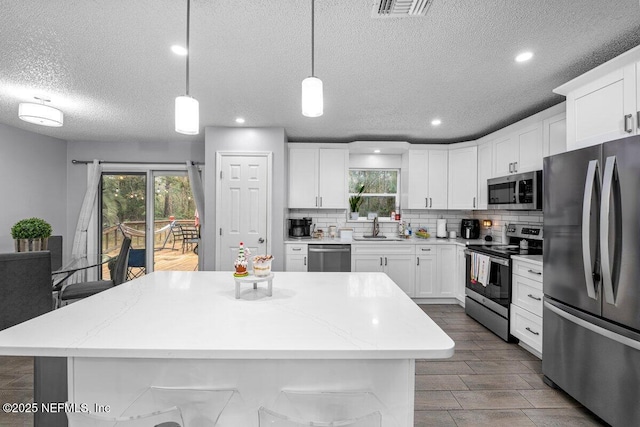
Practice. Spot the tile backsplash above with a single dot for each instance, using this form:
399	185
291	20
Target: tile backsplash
323	218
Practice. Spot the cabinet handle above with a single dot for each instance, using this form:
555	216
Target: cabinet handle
430	202
425	249
418	259
535	298
385	260
426	202
316	201
305	260
627	125
320	201
535	272
474	202
510	167
534	333
296	249
380	261
515	167
638	119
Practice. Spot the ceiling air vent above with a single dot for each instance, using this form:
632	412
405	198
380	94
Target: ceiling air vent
400	8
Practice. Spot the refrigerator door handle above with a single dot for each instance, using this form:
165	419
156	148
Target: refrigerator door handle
592	171
605	209
594	328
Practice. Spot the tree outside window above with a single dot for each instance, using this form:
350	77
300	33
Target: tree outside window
380	190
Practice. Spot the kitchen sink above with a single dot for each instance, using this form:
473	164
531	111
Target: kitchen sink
377	239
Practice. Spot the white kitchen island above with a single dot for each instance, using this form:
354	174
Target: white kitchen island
318	332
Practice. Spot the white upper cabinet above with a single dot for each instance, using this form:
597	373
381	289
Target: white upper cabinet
603	104
555	135
519	152
463	178
426	183
318	178
602	110
485	166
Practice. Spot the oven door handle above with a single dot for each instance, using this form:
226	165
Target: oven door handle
496	260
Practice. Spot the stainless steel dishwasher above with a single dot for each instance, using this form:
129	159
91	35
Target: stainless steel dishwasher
329	258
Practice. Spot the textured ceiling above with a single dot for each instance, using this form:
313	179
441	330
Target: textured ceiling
108	66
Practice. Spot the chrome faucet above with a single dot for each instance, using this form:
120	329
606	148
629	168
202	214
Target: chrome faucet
376	227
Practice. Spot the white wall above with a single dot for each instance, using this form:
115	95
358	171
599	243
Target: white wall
177	151
33	177
271	140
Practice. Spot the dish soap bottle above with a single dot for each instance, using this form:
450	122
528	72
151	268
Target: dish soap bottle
401	228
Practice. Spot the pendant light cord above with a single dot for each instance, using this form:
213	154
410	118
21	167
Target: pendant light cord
313	2
188	50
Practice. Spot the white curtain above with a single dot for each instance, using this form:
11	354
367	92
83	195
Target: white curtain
80	239
197	189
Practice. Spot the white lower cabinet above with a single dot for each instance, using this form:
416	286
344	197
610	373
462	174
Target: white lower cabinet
526	305
447	271
461	279
426	272
436	272
395	260
296	257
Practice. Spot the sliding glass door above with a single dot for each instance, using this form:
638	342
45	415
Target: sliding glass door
175	248
156	209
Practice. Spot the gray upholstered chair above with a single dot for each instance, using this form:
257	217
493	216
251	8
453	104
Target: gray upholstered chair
55	247
25	286
81	290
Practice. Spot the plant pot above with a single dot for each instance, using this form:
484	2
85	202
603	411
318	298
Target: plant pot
354	216
31	245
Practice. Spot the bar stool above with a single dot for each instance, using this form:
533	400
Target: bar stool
199	407
324	408
171	417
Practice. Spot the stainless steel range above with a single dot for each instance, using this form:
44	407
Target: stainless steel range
489	302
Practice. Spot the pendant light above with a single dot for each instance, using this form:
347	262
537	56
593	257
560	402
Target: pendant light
312	99
40	114
187	108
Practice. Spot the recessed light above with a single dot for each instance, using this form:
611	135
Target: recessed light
239	120
376	151
524	56
436	122
179	50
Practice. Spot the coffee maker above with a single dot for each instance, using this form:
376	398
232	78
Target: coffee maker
470	229
300	228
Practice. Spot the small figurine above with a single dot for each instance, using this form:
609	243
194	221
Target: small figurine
241	262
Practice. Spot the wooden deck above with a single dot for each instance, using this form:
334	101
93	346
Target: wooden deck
166	260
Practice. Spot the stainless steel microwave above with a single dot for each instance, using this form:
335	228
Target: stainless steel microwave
521	191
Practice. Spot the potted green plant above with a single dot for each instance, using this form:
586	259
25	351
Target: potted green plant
355	202
31	234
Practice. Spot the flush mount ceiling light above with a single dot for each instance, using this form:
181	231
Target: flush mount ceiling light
178	50
436	122
187	108
239	120
376	151
312	99
40	114
524	56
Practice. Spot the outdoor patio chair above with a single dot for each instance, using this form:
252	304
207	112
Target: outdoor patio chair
136	266
190	237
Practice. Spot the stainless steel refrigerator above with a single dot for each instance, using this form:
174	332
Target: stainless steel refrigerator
591	315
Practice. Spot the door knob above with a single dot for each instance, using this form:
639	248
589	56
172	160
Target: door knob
261	240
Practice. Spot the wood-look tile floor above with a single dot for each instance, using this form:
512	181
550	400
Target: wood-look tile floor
487	382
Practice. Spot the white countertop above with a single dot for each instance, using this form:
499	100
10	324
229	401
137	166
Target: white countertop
411	241
536	259
195	315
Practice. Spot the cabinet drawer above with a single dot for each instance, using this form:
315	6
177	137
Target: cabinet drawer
384	249
527	269
527	294
527	327
293	249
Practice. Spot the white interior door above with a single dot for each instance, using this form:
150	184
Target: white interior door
242	208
